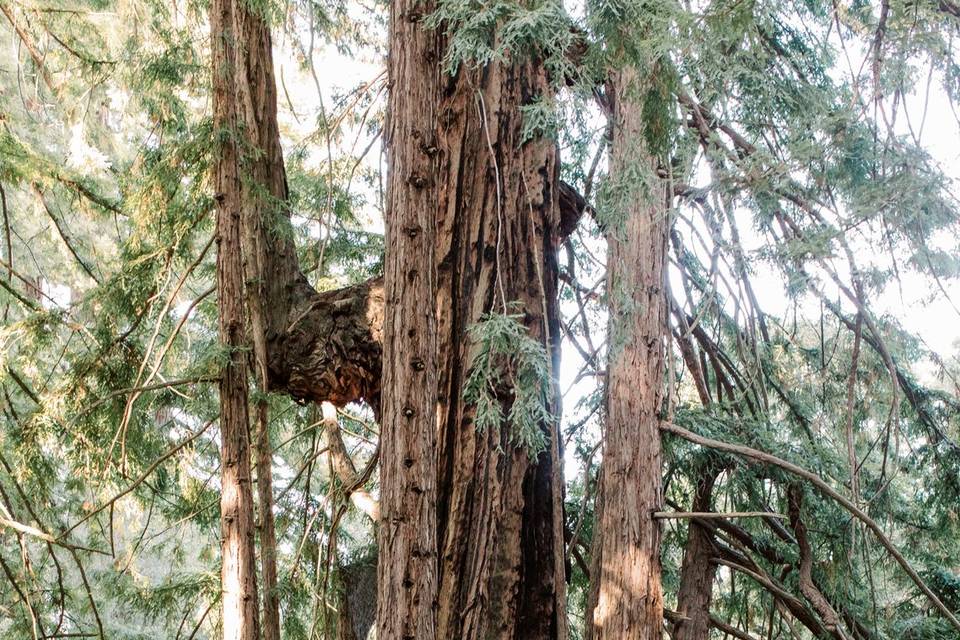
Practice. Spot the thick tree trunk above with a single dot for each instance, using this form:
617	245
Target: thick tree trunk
496	199
240	618
407	566
629	600
500	513
698	571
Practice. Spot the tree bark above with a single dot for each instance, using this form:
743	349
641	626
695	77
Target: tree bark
502	571
807	586
240	617
407	537
629	600
697	572
459	165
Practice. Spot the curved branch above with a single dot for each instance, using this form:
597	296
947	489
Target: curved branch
807	587
827	490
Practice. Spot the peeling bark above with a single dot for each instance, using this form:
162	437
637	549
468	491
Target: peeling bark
502	573
240	604
500	212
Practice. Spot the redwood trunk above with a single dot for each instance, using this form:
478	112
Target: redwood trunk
263	192
250	184
496	201
629	600
240	617
407	565
500	513
458	163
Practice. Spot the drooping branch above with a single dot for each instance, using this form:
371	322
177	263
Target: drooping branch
720	527
830	492
807	587
794	605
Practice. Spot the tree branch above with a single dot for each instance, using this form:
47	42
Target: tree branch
827	490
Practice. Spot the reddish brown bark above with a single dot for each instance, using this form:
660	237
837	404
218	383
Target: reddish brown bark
629	601
500	513
698	571
456	154
240	617
407	566
496	198
263	195
251	190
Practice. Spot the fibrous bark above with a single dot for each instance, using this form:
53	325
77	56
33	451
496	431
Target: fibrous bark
407	536
500	512
697	572
255	196
240	618
629	600
461	167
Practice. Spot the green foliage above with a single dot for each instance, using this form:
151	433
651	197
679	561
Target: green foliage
805	155
510	372
482	32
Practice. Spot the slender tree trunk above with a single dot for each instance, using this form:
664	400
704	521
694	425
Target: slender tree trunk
264	193
407	565
267	528
250	183
697	572
240	604
629	600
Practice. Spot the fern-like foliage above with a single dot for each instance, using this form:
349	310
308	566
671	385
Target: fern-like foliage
510	369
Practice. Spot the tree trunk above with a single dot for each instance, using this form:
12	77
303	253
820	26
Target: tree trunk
496	198
629	600
240	616
263	194
407	537
502	572
697	572
250	183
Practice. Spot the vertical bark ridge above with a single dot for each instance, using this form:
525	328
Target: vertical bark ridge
501	567
263	195
238	558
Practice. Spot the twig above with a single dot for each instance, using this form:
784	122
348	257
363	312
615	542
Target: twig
664	515
136	483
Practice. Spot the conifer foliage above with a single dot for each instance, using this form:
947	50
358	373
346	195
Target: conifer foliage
512	319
